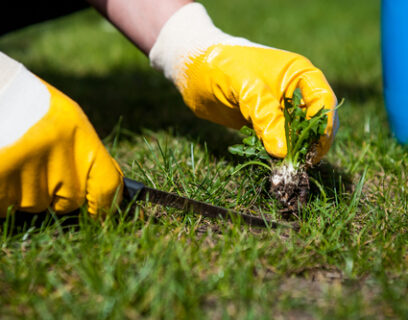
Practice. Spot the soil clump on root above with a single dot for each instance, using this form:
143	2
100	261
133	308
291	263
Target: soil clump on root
290	186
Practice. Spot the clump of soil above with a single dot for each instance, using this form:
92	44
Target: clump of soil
290	186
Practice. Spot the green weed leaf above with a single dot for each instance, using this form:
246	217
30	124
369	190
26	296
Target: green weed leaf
247	131
250	151
237	149
250	141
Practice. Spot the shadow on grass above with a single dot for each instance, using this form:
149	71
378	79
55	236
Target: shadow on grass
144	99
357	92
20	222
333	180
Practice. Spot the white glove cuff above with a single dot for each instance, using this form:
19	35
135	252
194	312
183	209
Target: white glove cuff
9	69
24	100
188	33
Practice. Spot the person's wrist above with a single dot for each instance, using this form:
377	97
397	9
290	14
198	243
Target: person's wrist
163	11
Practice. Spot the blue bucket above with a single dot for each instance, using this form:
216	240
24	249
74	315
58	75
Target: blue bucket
394	25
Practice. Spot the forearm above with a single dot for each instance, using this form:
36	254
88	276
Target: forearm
139	20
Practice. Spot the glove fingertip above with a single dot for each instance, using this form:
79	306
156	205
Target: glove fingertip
105	186
275	147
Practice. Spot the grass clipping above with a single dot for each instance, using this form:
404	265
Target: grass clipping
289	181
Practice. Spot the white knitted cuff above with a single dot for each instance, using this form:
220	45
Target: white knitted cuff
24	100
8	70
187	34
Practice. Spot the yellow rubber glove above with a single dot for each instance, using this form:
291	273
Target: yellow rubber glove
50	155
232	81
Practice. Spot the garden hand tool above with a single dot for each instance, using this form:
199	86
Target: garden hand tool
138	191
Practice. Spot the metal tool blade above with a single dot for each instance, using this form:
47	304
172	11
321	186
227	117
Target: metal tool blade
134	189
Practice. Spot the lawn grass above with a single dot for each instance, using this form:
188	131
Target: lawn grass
349	258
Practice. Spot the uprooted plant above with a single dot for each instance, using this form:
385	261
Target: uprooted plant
289	181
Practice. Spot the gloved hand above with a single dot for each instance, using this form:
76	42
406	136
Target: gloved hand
50	155
232	81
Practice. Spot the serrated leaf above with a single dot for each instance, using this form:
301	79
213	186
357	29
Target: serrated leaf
287	127
322	128
264	155
247	131
259	145
320	112
296	98
250	141
315	129
237	149
250	151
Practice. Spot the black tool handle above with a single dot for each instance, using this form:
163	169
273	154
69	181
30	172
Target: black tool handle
132	188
